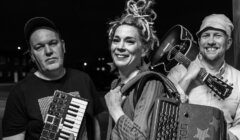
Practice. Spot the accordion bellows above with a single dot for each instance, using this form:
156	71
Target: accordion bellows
179	121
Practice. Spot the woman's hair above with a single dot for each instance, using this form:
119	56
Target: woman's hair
138	13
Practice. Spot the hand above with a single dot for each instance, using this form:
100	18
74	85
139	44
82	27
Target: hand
114	100
191	74
193	70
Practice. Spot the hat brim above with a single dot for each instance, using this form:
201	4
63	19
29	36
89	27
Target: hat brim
199	33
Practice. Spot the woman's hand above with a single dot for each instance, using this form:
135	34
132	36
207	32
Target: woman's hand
114	100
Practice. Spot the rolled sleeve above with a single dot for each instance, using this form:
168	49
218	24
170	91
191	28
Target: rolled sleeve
128	129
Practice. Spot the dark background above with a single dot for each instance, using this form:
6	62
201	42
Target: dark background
84	28
83	24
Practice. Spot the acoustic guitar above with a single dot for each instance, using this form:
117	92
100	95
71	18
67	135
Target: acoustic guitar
178	46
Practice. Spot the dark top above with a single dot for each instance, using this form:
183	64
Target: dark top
29	100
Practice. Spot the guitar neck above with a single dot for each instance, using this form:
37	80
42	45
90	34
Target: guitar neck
186	62
219	87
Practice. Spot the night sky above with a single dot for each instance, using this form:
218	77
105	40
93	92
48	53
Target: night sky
83	23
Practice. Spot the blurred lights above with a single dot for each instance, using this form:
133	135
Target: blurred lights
19	48
85	64
101	69
101	58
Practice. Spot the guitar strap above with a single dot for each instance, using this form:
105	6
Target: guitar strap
138	83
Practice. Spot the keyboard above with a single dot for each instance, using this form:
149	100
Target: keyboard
64	117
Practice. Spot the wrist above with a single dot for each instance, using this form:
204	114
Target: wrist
116	114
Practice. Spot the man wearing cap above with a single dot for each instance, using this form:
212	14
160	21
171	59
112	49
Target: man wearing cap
214	39
29	100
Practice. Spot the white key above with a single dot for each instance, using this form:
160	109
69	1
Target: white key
70	129
78	114
64	135
60	138
72	125
70	132
79	105
78	118
78	122
72	107
79	101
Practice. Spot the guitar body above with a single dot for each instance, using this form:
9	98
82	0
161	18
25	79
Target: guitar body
177	39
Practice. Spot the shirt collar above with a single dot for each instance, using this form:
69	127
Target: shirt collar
219	72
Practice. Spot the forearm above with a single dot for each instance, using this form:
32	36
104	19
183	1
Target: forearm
20	136
97	134
129	130
185	82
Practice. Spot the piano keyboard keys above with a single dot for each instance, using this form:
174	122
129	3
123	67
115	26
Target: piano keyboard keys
64	116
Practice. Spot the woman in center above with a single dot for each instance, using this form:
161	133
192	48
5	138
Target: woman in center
131	38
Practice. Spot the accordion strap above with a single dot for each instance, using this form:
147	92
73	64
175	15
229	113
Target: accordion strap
170	89
140	80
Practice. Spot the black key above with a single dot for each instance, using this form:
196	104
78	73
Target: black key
66	133
75	105
72	122
74	115
74	110
69	126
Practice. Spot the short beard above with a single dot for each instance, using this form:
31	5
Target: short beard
215	61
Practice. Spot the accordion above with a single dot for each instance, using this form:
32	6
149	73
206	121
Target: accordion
179	121
64	117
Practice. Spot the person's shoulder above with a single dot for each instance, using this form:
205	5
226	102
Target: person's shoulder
151	76
22	84
28	79
233	69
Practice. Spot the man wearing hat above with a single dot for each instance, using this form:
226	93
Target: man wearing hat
214	39
29	100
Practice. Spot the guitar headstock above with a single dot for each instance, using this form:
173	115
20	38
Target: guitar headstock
220	88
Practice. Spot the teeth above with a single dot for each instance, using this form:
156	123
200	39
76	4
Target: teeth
120	56
211	49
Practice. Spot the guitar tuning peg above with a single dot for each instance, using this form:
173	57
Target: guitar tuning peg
226	81
231	84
